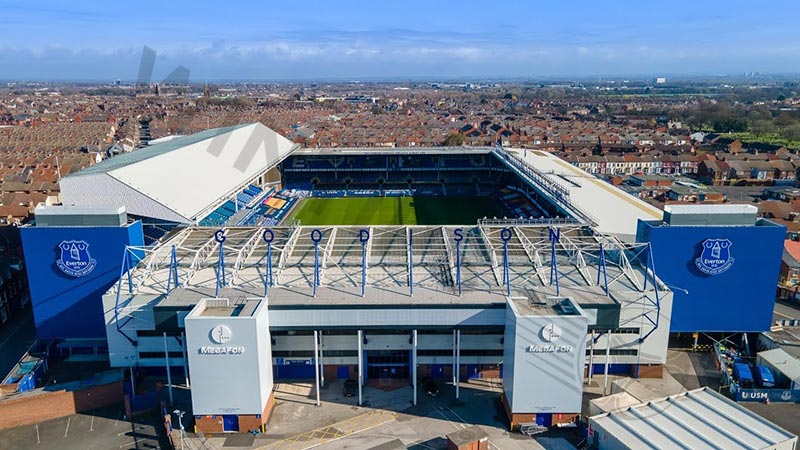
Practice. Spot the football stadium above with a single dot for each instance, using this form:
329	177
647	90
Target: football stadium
233	254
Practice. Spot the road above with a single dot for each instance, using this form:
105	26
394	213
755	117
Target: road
785	311
15	338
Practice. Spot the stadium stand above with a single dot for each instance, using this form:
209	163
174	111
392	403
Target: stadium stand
483	175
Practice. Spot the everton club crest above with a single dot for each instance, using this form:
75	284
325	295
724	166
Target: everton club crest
75	259
715	257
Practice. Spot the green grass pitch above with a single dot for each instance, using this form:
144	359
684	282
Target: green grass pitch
394	210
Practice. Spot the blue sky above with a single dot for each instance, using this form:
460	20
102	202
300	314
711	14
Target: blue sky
346	39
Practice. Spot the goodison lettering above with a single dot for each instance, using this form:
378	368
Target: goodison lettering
221	350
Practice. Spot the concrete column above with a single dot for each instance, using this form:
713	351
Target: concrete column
185	361
414	363
591	357
169	375
321	364
316	364
458	362
360	365
605	371
453	362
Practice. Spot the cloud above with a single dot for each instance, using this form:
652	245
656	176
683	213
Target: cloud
402	54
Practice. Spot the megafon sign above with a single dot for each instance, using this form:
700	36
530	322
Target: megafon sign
220	334
549	334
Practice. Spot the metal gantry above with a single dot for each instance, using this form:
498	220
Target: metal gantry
431	255
497	257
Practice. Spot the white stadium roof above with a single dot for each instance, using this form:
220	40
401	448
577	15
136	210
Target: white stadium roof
614	211
180	180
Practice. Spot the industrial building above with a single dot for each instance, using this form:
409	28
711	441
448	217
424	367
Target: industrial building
700	418
168	270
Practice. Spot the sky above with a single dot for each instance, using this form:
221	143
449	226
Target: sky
90	40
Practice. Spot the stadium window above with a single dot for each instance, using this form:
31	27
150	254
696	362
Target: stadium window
156	333
498	352
339	353
464	352
159	355
626	330
493	330
623	352
291	333
613	352
435	352
295	353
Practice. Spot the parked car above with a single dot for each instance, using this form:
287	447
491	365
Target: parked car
430	386
764	377
350	387
742	374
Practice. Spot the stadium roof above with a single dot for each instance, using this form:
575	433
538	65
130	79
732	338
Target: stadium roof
394	150
180	180
700	418
126	159
613	211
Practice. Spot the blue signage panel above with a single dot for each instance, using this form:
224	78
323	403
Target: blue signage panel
774	395
723	278
69	270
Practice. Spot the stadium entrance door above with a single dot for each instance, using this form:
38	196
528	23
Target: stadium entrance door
388	364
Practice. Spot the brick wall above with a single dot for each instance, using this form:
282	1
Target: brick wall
208	424
650	371
214	424
36	408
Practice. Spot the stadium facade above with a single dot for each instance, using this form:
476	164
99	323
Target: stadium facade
202	271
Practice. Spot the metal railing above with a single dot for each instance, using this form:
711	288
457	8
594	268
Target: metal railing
558	193
534	221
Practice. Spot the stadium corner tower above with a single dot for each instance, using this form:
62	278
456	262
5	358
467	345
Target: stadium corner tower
186	256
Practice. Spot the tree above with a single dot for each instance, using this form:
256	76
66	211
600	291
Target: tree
454	140
730	125
792	132
784	120
762	127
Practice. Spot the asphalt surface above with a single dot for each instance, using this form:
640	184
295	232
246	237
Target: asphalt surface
785	311
102	429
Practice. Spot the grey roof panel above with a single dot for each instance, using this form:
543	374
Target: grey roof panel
136	156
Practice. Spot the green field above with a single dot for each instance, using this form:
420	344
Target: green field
394	210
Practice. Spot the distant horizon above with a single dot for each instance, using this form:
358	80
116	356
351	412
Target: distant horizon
412	40
631	78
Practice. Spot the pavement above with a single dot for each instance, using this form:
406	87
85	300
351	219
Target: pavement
785	311
693	369
339	423
101	429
